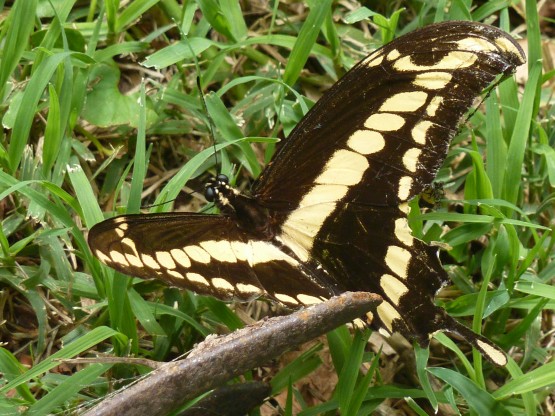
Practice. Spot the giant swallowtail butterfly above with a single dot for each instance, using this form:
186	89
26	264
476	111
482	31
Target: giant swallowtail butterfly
329	213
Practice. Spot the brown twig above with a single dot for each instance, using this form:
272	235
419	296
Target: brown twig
219	359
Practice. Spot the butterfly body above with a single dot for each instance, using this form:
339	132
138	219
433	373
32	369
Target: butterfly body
329	213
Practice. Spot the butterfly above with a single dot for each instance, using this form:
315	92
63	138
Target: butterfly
329	212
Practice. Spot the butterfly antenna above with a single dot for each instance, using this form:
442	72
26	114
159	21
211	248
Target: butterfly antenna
210	122
202	100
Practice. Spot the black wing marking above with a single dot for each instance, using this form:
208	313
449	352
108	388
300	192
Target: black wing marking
208	254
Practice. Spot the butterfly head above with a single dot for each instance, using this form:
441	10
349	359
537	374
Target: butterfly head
217	190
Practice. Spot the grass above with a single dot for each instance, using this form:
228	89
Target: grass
101	115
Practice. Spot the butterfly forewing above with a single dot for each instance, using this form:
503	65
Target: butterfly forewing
333	200
205	253
383	130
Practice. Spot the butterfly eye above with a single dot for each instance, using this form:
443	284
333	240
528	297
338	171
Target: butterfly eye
222	178
210	193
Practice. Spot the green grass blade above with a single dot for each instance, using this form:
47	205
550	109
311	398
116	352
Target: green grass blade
305	40
478	400
68	389
17	28
139	159
536	379
71	350
519	138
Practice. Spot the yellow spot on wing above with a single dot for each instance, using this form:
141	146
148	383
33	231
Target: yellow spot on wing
373	61
343	168
134	260
131	244
302	225
393	288
222	284
405	185
398	259
220	250
394	54
495	355
239	250
197	278
309	300
410	159
506	45
433	80
165	259
366	142
387	314
197	254
265	252
420	131
149	261
286	299
175	274
453	60
119	258
475	44
103	257
324	193
432	108
248	289
180	257
402	231
404	101
384	122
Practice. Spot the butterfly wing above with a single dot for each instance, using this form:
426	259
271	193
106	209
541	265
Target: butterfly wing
208	254
383	129
371	143
336	191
